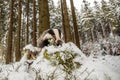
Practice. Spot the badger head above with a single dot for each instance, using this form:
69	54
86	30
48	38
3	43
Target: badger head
49	35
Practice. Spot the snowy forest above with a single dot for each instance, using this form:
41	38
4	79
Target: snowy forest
90	48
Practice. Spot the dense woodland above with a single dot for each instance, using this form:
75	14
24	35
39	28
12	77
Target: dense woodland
23	21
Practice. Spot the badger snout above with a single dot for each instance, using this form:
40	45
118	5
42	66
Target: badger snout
59	42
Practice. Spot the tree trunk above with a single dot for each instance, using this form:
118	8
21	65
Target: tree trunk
34	24
44	22
10	35
75	24
110	27
66	28
103	31
17	52
27	28
95	35
0	24
63	25
92	34
83	37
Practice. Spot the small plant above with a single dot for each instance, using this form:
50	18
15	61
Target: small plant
64	58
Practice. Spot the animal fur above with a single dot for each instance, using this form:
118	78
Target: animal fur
50	34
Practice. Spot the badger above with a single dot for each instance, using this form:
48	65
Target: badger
49	35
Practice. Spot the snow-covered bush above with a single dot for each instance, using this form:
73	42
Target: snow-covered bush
61	60
65	62
109	46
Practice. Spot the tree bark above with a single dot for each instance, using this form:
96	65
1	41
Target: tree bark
63	25
111	30
92	34
75	24
27	25
44	22
0	24
103	31
10	35
17	52
34	24
67	32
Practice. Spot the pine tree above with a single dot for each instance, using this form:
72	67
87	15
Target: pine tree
17	52
75	24
115	11
67	32
104	20
0	22
87	21
10	35
34	24
27	25
55	15
44	22
1	19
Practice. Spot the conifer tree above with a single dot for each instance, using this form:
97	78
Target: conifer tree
10	35
44	22
27	25
67	32
17	52
75	24
34	24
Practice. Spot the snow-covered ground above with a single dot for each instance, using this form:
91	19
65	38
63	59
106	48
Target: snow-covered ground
65	62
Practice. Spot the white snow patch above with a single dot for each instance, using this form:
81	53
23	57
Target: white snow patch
100	68
20	76
31	48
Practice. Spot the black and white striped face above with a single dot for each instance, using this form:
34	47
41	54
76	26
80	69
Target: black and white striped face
54	34
57	35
